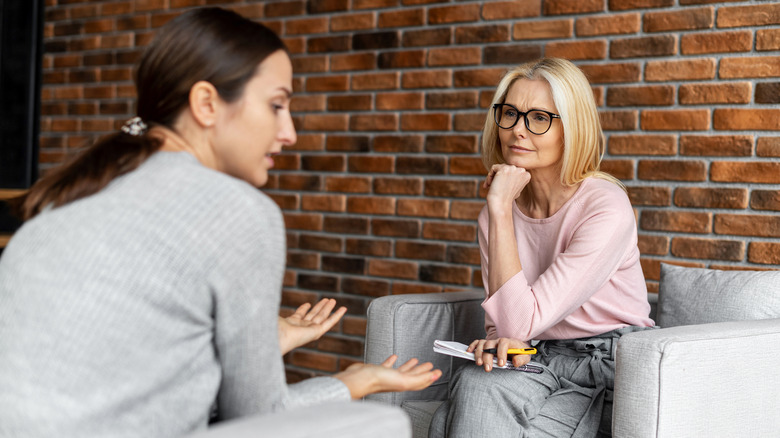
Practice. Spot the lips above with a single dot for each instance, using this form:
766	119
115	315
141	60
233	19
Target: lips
519	149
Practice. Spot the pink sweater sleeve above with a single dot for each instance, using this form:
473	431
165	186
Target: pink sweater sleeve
578	294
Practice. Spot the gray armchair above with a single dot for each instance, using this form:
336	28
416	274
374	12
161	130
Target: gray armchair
700	375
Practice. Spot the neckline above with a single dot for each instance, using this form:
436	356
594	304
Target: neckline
558	214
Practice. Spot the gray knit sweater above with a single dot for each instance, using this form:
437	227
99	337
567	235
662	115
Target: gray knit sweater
136	311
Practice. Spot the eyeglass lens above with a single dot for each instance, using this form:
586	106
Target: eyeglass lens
507	116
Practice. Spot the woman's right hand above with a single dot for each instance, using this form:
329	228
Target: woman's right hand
505	182
363	379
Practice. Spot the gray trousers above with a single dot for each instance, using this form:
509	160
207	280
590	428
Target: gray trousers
571	398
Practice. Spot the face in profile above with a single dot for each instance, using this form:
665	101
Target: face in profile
521	146
258	125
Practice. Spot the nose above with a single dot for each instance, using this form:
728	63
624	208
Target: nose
287	135
520	129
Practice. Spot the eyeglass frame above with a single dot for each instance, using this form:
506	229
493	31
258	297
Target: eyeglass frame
496	106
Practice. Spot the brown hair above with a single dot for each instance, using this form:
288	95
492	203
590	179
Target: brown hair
205	44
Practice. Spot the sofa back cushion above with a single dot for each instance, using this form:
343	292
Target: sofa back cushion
699	296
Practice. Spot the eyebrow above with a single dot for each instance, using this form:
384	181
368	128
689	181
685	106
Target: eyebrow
531	108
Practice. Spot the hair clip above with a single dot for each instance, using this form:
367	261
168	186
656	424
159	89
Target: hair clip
134	126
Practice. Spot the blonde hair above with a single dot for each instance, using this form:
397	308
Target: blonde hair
583	139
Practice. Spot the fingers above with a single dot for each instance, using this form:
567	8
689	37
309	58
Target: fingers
300	312
521	359
409	365
321	310
388	363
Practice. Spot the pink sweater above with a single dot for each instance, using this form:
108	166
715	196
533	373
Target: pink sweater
581	274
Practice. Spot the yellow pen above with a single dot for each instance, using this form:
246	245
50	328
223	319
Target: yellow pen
529	350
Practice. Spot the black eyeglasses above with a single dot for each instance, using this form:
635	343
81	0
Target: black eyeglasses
536	121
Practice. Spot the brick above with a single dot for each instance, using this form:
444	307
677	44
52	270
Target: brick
449	231
746	119
685	70
400	288
588	49
619	120
687	19
695	94
404	59
349	102
300	182
406	249
563	7
503	10
325	122
348	143
376	40
711	249
307	103
745	171
316	242
327	83
676	221
655	245
427	79
454	56
675	120
286	202
304	221
398	143
325	283
445	274
716	42
642	95
395	227
393	269
622	5
465	210
346	265
346	225
371	205
324	202
343	23
620	169
340	43
451	100
768	147
543	30
284	8
754	15
764	253
768	39
650	196
750	67
482	34
373	122
672	170
310	64
371	4
398	186
366	287
747	225
643	145
347	184
612	72
765	200
482	77
295	45
402	18
425	122
371	164
451	144
287	162
352	62
420	165
767	92
314	360
400	101
322	6
616	24
511	54
450	188
423	207
305	26
375	81
660	45
453	14
369	247
427	37
716	145
463	255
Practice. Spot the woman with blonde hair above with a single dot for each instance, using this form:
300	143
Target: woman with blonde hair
560	265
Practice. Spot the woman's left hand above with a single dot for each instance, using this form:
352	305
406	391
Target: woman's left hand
501	345
308	324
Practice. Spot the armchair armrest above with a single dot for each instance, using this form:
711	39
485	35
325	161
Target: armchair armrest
407	325
700	380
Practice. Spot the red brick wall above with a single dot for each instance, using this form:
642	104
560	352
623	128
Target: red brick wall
382	190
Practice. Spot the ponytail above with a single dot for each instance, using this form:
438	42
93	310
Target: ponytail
89	172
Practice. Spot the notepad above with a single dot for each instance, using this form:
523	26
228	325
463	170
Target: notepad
456	349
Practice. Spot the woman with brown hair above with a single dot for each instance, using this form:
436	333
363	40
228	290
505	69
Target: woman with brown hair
141	296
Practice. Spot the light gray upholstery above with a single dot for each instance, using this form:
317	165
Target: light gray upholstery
328	420
714	380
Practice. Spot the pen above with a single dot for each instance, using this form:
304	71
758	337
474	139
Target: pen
512	351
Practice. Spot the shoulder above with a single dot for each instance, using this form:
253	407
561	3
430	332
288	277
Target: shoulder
599	194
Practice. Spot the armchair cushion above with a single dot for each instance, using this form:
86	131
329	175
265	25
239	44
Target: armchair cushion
699	296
